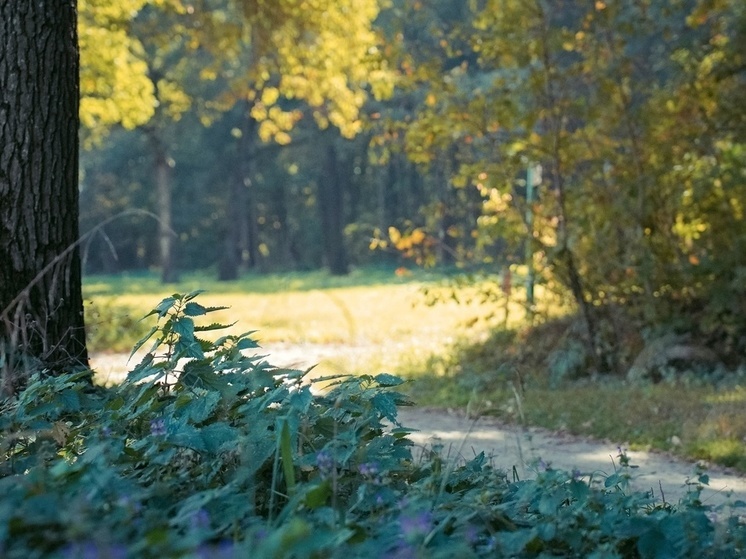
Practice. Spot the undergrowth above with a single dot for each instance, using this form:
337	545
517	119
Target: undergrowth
696	414
204	452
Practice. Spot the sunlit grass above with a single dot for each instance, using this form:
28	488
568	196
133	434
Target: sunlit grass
317	310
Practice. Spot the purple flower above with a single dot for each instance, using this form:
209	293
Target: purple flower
200	520
158	427
368	469
325	462
471	534
413	527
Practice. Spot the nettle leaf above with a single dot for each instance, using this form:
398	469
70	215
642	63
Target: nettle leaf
184	326
194	309
200	373
385	405
385	379
213	326
197	406
246	343
219	437
146	368
142	341
164	306
191	295
188	436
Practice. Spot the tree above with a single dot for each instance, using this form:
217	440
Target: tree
41	306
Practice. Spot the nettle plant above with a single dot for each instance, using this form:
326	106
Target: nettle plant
206	452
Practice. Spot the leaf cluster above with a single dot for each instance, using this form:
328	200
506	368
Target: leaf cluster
206	452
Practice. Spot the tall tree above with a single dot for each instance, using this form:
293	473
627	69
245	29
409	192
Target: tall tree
41	307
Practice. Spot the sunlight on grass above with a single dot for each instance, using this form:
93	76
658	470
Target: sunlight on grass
393	318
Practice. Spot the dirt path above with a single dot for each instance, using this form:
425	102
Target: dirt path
509	446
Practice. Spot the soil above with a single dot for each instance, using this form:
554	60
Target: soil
512	448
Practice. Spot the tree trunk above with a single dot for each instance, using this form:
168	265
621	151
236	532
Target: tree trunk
331	204
165	229
41	306
240	241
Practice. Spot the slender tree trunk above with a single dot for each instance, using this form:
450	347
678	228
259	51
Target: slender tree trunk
162	173
554	126
41	306
331	203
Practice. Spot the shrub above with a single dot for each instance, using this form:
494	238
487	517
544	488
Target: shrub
204	452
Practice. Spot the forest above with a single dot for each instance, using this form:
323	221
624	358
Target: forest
563	181
598	148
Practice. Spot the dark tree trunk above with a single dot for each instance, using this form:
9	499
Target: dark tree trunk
165	214
41	306
241	237
331	204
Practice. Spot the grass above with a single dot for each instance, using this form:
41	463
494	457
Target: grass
510	376
380	322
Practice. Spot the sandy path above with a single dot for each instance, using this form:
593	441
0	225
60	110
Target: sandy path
509	446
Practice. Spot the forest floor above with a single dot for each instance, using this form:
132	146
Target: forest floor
513	448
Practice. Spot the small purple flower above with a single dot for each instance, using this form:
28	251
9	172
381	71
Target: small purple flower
106	431
370	470
471	534
325	462
158	427
200	520
413	527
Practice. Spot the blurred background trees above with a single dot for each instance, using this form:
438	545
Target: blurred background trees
299	136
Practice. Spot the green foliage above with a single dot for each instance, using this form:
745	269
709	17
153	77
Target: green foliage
203	452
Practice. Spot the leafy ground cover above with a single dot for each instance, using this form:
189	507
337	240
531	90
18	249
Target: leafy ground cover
203	452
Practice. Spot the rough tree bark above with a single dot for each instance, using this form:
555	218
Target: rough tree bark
41	306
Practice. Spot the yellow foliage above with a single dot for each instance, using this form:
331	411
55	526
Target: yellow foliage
114	85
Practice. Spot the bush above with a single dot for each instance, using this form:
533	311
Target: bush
204	452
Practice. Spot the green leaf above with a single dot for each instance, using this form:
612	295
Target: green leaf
190	437
388	380
385	405
194	309
213	326
184	327
192	295
319	495
219	437
164	306
142	341
246	343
